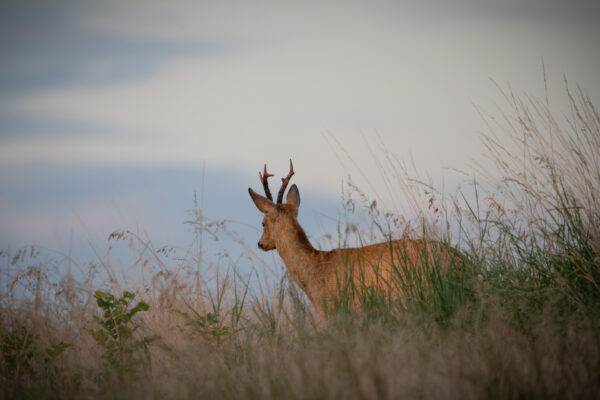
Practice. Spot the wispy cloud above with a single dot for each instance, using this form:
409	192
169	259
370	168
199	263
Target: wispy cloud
55	44
235	84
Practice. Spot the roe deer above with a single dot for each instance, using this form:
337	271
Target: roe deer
319	273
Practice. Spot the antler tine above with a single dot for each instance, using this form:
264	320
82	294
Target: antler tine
284	183
263	178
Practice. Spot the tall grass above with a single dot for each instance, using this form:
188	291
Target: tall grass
550	182
516	316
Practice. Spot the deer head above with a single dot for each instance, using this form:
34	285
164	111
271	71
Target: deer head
278	216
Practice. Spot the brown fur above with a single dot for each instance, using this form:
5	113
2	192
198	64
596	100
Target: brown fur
319	273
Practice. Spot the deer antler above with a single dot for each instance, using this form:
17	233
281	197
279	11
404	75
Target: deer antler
263	178
284	183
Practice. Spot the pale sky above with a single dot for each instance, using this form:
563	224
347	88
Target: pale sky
139	88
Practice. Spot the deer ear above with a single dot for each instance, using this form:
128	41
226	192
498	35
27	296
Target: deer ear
262	203
293	197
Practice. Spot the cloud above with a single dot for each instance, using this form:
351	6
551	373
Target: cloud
48	45
297	74
108	110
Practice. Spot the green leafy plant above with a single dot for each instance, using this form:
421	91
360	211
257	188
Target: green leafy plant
116	330
23	362
208	325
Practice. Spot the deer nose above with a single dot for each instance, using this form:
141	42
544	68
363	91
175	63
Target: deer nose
259	245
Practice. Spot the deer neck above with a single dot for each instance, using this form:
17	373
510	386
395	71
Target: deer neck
299	256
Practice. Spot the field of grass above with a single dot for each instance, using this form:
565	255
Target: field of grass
520	318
